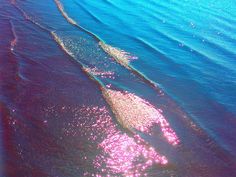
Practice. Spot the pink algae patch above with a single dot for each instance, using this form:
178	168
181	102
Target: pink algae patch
134	112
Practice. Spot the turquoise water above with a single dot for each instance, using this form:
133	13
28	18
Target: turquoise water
119	88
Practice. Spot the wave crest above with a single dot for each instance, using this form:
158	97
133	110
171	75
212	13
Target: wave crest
61	9
119	55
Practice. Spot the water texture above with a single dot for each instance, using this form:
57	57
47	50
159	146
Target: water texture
117	88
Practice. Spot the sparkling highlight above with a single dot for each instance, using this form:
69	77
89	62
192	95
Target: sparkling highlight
104	74
135	113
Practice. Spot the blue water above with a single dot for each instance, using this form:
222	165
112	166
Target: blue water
187	47
64	87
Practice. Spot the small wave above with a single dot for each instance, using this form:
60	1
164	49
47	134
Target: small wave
159	53
88	12
61	8
21	11
27	17
60	42
71	21
124	58
187	47
120	56
111	3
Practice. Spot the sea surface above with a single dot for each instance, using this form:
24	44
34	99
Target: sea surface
117	88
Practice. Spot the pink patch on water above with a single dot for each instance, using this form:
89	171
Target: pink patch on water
134	112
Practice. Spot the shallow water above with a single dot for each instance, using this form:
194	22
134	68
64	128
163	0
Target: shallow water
119	88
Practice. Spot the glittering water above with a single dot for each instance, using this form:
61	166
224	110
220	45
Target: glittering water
135	113
125	88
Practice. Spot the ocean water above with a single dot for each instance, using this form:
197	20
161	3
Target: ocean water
117	88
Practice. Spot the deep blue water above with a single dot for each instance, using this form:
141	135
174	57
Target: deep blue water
91	70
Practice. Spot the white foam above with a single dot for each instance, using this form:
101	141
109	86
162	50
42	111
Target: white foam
119	55
60	42
96	72
61	8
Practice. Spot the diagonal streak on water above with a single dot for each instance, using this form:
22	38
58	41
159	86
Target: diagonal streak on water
126	100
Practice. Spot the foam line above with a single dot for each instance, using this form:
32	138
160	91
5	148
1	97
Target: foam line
71	21
116	53
59	42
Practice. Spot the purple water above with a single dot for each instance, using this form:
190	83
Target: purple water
73	104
